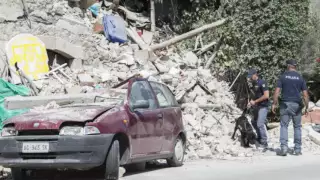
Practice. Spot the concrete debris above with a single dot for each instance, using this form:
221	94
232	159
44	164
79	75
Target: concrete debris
85	80
191	59
62	47
95	64
40	16
50	105
10	13
73	26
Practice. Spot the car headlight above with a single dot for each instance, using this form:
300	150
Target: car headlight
9	131
79	131
90	130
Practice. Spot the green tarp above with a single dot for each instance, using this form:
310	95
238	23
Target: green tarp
7	89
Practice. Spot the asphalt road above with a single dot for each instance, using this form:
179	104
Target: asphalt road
265	168
269	167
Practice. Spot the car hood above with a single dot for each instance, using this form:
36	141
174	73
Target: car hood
55	117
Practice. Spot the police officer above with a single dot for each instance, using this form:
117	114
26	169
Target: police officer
260	105
291	84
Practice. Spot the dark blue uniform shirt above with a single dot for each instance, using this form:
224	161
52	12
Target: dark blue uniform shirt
259	88
291	84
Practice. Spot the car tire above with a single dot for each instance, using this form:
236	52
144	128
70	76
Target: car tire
113	162
18	174
178	153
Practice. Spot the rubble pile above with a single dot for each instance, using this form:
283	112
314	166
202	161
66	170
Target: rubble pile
94	63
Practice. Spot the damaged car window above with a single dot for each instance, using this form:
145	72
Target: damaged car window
164	95
163	101
140	90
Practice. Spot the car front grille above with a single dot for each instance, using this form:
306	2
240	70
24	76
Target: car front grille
38	156
38	132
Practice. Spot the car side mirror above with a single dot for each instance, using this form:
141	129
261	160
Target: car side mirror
142	104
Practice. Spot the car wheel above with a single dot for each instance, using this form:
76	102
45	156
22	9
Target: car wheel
178	154
18	174
113	162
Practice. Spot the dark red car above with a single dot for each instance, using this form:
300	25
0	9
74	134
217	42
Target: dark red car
142	122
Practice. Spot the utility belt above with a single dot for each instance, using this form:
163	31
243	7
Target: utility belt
285	104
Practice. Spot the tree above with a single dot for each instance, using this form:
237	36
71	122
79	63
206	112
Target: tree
262	33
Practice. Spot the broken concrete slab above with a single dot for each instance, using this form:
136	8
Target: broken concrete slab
20	102
74	90
205	74
121	75
126	59
212	86
135	47
62	47
141	56
162	68
174	71
73	26
40	17
10	13
166	78
147	37
313	135
105	77
75	64
86	80
191	59
201	100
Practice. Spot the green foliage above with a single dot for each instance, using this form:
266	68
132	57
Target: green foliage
310	52
261	34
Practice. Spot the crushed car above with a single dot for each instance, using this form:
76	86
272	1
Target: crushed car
132	123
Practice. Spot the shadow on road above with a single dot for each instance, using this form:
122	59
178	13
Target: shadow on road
149	168
80	175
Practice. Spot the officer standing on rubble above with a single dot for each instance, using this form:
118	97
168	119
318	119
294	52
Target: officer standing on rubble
260	105
291	84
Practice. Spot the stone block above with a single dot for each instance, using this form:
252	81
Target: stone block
104	77
85	80
191	59
212	86
141	56
166	78
74	90
75	64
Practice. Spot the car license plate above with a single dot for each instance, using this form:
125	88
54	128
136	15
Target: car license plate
35	147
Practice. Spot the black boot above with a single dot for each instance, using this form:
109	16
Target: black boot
282	152
297	153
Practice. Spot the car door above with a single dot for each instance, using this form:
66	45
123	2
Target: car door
171	115
146	132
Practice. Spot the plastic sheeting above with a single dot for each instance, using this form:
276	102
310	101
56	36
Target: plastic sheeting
7	89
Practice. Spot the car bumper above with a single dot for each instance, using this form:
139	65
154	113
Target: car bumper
71	152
